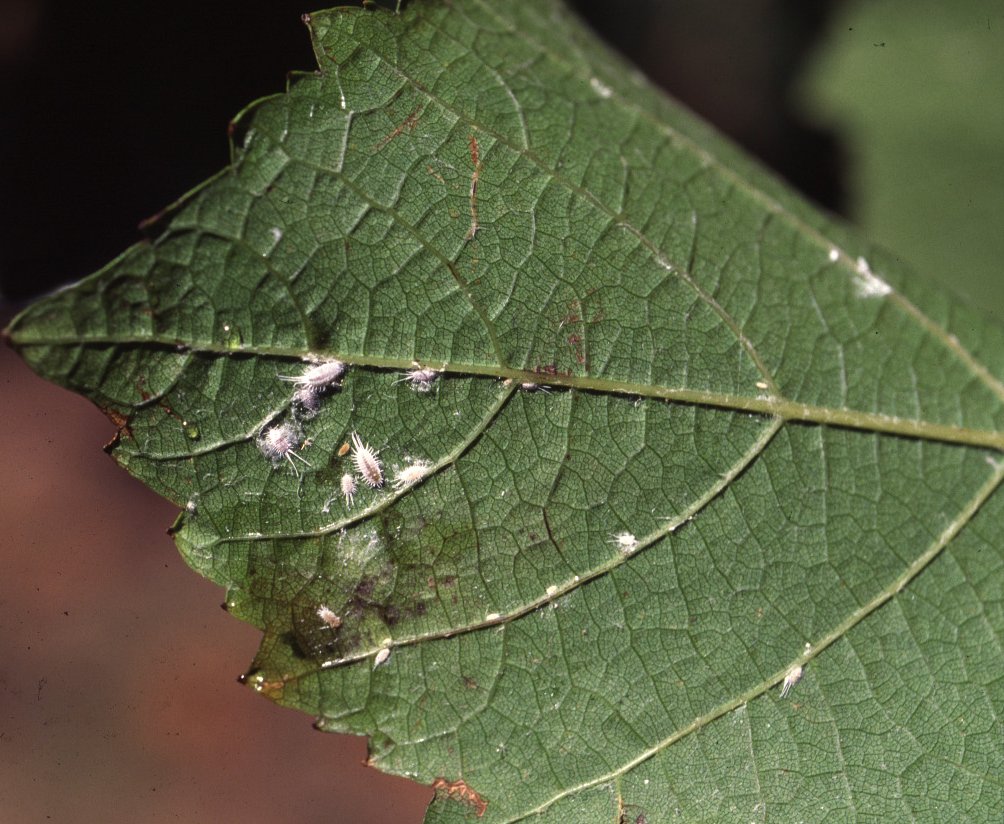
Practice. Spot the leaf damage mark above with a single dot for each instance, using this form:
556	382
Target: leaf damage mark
460	791
476	161
121	423
576	342
407	124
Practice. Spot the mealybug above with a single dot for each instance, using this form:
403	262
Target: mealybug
421	380
366	462
279	443
792	677
624	541
314	382
321	375
348	488
411	475
381	657
327	615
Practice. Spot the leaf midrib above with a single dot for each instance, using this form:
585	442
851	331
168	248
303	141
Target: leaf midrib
761	404
771	403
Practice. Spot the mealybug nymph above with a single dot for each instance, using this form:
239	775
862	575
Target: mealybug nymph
421	380
279	443
327	615
792	677
366	462
411	475
348	488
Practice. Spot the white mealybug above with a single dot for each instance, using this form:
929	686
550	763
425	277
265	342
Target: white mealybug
366	462
421	380
411	474
320	375
867	283
624	541
792	677
349	488
327	615
279	443
315	381
381	657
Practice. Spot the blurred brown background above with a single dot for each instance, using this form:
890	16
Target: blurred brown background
118	699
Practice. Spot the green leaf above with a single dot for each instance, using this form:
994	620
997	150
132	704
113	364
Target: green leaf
751	443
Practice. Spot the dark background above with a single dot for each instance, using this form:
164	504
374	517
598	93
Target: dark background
117	693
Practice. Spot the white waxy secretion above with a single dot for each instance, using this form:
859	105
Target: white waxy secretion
349	488
792	677
411	474
279	443
624	541
867	283
308	401
366	462
381	657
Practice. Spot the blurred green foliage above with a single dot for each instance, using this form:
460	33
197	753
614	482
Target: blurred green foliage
917	88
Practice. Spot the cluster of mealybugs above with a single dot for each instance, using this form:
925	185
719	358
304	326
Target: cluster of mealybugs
282	441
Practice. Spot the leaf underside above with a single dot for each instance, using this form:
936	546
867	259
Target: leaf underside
687	435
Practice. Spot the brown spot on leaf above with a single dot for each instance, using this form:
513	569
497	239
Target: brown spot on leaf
121	423
408	124
575	341
459	791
